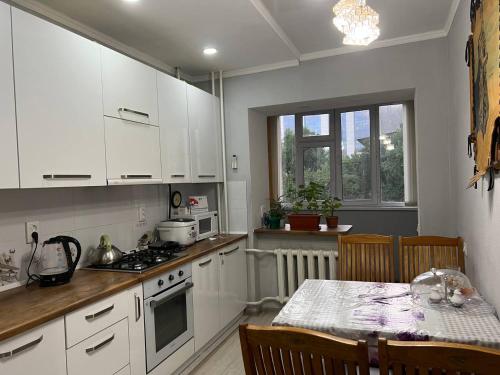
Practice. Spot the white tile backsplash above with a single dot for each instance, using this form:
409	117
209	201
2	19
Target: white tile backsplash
82	213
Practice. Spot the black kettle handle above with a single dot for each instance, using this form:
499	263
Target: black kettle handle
65	240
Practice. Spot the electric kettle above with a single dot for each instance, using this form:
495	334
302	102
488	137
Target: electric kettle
56	262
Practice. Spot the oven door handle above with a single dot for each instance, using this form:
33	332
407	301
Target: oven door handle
156	302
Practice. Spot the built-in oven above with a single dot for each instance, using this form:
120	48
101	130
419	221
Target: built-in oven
168	314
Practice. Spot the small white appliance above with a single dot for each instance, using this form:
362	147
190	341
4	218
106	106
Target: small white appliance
181	230
207	224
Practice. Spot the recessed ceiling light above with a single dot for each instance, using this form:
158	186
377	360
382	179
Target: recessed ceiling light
209	51
131	1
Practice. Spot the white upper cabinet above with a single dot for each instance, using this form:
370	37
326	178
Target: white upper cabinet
132	152
9	174
129	88
59	105
174	129
205	140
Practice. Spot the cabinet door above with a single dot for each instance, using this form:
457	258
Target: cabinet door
59	105
136	331
132	152
206	299
129	88
40	351
106	352
204	134
233	284
9	174
174	130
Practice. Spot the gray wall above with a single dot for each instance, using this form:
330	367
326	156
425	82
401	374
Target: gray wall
477	211
418	66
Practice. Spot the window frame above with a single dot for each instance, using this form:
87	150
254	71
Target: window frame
334	141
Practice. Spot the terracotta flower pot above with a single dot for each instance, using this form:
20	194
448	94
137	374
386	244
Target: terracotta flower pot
304	221
332	221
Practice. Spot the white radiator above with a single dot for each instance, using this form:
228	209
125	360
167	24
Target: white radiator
294	266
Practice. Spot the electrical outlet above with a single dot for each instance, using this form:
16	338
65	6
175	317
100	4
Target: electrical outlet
31	226
141	213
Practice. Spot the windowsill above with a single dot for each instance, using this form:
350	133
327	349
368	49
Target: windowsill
366	208
378	208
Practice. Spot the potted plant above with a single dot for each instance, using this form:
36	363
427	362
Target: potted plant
328	207
276	213
305	198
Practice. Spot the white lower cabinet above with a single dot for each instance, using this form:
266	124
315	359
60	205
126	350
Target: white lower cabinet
233	282
220	291
39	351
136	331
132	152
104	353
124	371
206	299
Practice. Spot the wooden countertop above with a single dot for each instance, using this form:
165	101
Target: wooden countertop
324	231
25	308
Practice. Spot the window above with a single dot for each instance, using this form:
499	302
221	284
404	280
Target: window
362	155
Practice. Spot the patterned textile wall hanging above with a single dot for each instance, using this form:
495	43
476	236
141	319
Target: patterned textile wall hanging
483	59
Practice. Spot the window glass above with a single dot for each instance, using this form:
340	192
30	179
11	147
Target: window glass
287	139
315	125
391	153
317	165
356	160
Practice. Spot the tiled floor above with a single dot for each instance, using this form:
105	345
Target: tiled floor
227	360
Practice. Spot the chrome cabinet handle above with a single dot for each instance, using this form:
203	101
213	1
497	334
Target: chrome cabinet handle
133	176
207	176
99	313
205	263
137	307
156	302
21	348
177	175
230	251
101	344
66	176
123	109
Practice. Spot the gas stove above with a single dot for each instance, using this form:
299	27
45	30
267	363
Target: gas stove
138	261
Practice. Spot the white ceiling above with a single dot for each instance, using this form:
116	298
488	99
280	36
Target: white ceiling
247	33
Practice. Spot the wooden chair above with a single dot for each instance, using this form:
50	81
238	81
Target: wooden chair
419	254
405	357
296	351
366	257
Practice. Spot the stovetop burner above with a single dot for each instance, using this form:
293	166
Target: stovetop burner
141	260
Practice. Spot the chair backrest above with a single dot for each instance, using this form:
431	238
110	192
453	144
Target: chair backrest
366	257
297	351
419	254
406	357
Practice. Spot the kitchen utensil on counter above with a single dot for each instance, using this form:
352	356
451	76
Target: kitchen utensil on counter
181	230
105	253
56	263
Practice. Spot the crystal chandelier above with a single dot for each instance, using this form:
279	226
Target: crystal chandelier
357	21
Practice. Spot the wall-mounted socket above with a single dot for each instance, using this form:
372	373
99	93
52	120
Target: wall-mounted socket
31	226
141	214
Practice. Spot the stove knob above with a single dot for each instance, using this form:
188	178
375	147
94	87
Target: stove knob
181	272
171	278
160	282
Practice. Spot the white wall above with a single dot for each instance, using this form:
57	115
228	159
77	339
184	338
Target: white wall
419	66
477	211
83	213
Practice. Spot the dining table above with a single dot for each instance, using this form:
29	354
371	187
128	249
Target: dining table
369	310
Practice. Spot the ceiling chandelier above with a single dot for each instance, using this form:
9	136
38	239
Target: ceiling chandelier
357	21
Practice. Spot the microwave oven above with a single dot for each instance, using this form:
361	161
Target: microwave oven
208	224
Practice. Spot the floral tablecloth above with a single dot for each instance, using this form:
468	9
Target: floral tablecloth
367	311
